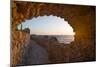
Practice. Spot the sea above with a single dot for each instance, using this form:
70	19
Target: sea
66	39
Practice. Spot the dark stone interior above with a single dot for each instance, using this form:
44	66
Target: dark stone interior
81	18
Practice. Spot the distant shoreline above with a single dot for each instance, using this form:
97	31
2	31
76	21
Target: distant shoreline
66	39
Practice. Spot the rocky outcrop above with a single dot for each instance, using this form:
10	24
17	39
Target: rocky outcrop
81	18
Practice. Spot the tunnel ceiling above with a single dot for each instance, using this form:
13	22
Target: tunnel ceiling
81	18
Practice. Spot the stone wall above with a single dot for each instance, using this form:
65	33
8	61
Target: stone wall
20	41
19	38
81	18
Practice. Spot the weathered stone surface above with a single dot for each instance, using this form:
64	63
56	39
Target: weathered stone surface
81	18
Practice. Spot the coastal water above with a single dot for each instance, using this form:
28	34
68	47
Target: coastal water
66	39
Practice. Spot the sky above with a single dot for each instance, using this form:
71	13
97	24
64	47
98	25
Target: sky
48	25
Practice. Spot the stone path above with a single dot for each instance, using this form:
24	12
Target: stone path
36	54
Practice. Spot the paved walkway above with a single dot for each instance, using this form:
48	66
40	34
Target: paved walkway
36	54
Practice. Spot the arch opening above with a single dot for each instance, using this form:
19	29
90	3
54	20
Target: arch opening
51	26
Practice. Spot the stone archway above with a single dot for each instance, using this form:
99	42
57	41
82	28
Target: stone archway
81	18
